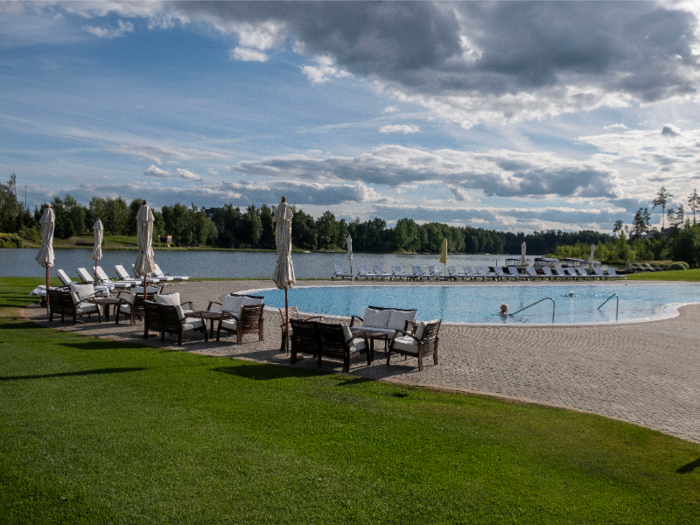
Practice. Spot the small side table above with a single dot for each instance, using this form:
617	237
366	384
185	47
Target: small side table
212	315
107	302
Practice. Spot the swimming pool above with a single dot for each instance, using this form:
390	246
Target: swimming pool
479	303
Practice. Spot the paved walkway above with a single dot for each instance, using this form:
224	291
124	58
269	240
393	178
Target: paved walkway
643	373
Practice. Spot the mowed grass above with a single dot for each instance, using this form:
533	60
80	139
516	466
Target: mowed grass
94	431
676	275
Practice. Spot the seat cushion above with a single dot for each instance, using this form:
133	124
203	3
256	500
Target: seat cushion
229	324
232	303
422	326
125	308
405	343
358	344
376	318
86	308
81	291
192	323
397	319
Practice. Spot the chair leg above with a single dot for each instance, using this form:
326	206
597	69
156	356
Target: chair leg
179	338
162	337
388	357
319	360
346	363
239	337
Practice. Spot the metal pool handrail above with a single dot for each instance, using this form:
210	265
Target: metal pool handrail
617	308
554	306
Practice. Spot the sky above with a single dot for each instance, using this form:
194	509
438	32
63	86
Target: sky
513	116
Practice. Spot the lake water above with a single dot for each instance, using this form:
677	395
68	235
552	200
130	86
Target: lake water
225	264
480	303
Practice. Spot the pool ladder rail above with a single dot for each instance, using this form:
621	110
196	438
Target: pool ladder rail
617	308
554	306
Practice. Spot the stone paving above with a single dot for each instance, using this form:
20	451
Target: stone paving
643	373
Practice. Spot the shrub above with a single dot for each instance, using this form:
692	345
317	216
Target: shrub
10	240
680	265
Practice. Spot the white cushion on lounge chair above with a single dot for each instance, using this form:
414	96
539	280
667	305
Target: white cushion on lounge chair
376	318
397	319
192	323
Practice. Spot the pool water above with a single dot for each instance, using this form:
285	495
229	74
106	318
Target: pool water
481	303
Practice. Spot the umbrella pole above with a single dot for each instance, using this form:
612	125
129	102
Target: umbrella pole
145	296
286	324
95	269
47	288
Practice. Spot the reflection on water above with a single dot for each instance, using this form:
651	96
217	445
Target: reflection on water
21	263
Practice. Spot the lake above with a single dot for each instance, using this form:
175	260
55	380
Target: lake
226	264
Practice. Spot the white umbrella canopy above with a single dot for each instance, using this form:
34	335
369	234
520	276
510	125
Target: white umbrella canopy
348	243
98	230
523	251
283	274
145	265
45	255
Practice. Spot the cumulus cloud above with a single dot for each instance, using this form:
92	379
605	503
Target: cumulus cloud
188	175
109	31
615	126
324	72
155	171
246	54
669	130
400	128
499	173
459	194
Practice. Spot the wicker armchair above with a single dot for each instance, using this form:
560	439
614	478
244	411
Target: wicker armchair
251	321
304	338
294	315
132	307
423	344
64	303
171	319
336	341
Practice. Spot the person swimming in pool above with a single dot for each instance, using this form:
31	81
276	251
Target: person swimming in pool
504	309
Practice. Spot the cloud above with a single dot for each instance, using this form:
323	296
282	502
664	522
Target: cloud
459	194
154	171
400	128
500	173
109	31
669	130
188	175
615	126
246	54
157	153
390	109
324	72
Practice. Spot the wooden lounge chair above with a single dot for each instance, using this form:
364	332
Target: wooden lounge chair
123	275
87	278
423	343
483	274
362	273
63	276
436	274
340	273
294	315
104	279
304	338
418	273
454	274
158	274
379	272
397	273
513	272
469	273
336	341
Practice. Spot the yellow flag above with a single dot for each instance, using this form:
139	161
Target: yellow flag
443	255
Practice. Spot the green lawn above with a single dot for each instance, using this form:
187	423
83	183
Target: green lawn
93	431
676	275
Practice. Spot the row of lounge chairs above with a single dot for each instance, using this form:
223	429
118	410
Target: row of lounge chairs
478	273
123	281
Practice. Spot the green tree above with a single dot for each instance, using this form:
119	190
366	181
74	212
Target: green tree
267	238
134	207
694	203
661	200
640	223
252	226
8	206
686	245
326	227
116	216
303	230
619	225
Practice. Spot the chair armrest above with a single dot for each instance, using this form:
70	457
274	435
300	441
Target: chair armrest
213	302
187	302
353	317
406	333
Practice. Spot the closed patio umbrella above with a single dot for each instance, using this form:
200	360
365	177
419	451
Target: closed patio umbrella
98	230
443	256
283	274
145	265
590	259
45	255
348	242
523	251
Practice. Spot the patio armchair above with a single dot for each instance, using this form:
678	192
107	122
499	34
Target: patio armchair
336	341
294	315
132	307
171	319
230	310
379	272
248	320
304	338
397	273
423	343
340	273
77	302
